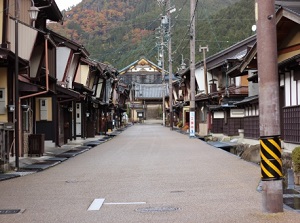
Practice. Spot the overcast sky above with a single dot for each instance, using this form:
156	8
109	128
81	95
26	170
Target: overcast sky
64	4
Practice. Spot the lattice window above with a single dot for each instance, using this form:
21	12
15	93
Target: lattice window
251	127
291	116
217	125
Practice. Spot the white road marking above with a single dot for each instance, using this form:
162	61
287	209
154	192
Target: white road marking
125	203
96	204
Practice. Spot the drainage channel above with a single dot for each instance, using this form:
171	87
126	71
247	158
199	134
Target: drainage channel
291	197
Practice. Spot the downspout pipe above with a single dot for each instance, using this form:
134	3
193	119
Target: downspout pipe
16	80
36	94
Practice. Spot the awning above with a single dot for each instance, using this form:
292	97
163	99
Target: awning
66	93
248	100
81	88
236	71
221	107
5	54
292	60
28	87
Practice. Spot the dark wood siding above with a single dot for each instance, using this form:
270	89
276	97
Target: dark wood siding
291	116
232	126
251	127
45	127
217	125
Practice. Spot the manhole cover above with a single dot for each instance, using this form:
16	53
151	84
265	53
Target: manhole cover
156	209
10	211
293	202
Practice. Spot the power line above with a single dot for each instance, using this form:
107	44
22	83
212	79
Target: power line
205	11
180	11
189	29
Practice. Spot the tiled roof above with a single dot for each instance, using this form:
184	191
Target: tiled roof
150	91
247	100
240	55
290	5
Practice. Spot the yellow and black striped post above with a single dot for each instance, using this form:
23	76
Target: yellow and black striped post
270	153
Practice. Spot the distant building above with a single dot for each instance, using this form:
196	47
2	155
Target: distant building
147	89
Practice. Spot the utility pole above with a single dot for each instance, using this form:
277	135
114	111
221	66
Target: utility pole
204	49
192	68
162	52
163	88
269	116
161	55
170	65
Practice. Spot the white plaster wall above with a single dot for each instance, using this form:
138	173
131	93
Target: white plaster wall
61	61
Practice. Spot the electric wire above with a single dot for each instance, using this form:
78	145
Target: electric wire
210	25
189	29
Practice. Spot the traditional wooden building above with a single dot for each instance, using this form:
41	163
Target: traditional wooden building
148	88
288	41
50	91
215	110
27	71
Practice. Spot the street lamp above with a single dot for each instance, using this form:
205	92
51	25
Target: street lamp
33	13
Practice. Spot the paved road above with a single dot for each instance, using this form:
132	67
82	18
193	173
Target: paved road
146	174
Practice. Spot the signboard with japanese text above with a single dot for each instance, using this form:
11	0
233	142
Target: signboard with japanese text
192	123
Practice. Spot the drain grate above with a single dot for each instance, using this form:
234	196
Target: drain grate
156	209
10	211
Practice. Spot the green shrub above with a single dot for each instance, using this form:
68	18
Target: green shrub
296	159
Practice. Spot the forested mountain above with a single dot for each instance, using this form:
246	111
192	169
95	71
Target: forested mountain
121	31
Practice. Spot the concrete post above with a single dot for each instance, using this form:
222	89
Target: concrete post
269	106
192	68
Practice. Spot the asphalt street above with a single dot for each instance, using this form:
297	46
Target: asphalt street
148	173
